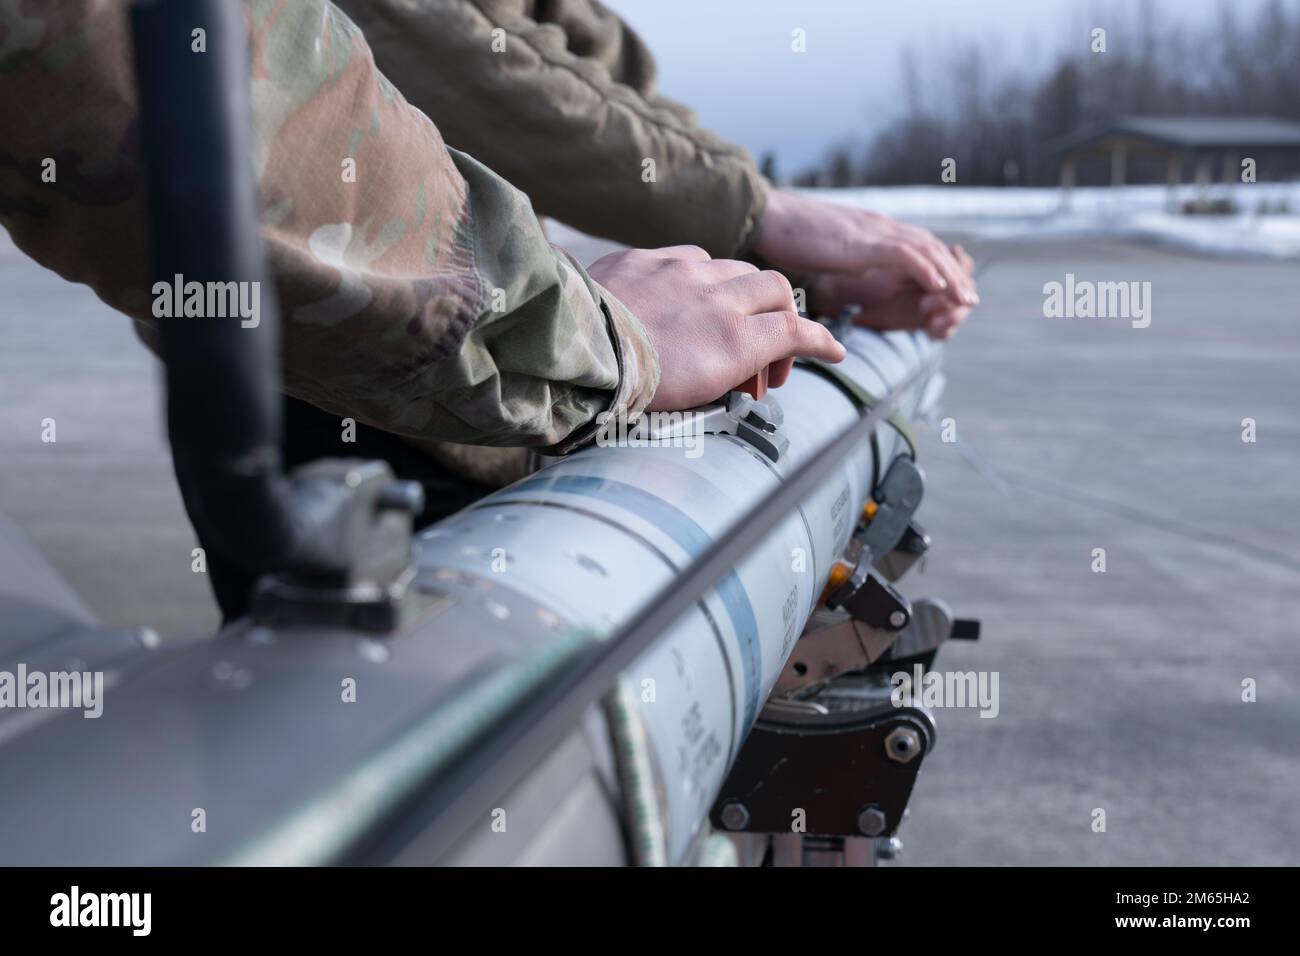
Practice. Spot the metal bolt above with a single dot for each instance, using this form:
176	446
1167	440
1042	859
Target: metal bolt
872	820
902	744
735	815
897	619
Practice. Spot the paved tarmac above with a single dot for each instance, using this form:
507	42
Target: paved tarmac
1122	690
1119	690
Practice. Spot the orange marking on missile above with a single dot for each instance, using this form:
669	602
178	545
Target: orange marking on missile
756	385
841	571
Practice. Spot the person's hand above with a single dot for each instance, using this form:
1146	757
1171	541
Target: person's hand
713	322
858	254
887	298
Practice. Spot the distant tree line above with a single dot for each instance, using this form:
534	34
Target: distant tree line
980	105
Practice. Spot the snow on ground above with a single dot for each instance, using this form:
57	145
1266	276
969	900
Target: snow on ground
1259	230
1138	212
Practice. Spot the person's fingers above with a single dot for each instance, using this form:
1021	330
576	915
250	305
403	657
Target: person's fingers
938	325
916	263
778	372
850	245
936	313
756	292
720	271
833	292
966	282
964	258
959	281
690	253
942	325
942	317
932	304
900	312
777	336
954	278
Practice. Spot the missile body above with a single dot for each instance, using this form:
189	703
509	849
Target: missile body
288	740
592	536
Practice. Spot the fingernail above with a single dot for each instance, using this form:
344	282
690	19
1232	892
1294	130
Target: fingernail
940	281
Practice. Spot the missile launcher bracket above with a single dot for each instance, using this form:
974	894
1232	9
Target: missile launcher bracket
833	774
825	775
756	421
362	518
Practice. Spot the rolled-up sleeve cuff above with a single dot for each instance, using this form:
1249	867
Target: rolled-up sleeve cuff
638	362
638	368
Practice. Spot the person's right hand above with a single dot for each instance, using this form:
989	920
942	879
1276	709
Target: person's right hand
713	322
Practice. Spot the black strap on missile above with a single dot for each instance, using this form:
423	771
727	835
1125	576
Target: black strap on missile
864	400
860	397
452	800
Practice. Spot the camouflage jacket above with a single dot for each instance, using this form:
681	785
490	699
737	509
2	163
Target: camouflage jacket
418	294
575	116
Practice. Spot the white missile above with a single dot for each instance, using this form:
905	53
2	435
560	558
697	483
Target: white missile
592	536
295	737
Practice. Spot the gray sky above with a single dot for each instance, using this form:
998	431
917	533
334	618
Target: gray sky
732	61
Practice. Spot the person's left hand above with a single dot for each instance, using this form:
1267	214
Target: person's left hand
886	299
901	276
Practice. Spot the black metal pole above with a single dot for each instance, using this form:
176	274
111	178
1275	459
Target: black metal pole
222	377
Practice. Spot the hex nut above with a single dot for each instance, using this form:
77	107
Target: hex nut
872	821
902	745
734	815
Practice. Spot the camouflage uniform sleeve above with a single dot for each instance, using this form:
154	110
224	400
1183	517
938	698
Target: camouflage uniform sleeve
556	72
417	290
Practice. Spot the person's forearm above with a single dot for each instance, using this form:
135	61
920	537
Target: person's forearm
575	119
417	290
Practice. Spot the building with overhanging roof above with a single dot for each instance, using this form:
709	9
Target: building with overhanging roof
1203	142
